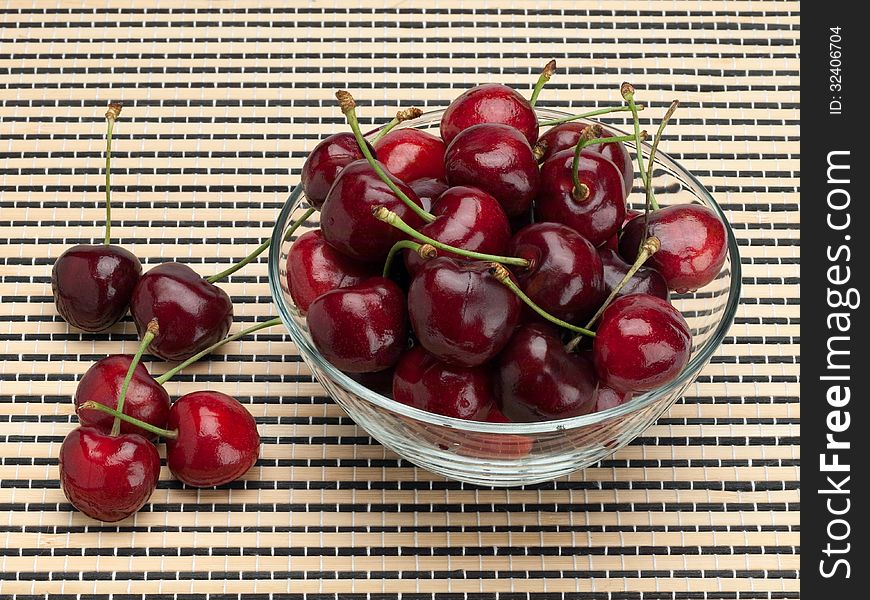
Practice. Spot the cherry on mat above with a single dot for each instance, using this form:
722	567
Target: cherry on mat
489	103
325	162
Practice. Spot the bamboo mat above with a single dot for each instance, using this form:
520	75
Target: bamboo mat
222	103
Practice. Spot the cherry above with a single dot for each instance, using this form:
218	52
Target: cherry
379	381
428	189
412	154
645	281
193	313
146	399
460	312
360	328
598	216
694	244
489	103
314	268
425	382
539	380
325	162
107	477
497	159
346	216
642	342
607	397
613	241
565	277
495	445
467	218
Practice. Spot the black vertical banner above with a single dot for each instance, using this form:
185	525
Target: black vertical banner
835	449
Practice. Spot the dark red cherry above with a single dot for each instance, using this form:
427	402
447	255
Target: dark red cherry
539	380
360	328
607	397
641	343
460	312
613	241
217	440
412	154
428	190
346	216
565	276
314	268
146	399
423	381
325	162
92	284
598	216
694	245
489	103
497	159
193	313
106	477
646	280
566	135
505	446
467	218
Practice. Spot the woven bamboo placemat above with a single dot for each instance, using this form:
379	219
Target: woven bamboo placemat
223	101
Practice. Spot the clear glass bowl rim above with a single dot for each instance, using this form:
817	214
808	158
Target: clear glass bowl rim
695	364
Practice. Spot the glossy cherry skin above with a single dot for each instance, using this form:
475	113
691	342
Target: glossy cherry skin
613	241
566	135
539	380
460	312
641	343
599	216
314	268
325	162
346	217
607	397
361	328
489	103
411	154
467	218
423	381
92	284
146	399
428	190
107	478
217	439
645	281
694	245
192	313
497	159
565	277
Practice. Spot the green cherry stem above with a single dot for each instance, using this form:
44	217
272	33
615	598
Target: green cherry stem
230	338
119	416
581	190
382	213
627	91
348	107
426	251
402	115
543	78
649	173
503	276
586	115
112	112
151	330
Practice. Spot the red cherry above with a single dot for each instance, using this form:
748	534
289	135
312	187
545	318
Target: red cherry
565	276
92	284
423	381
467	218
145	400
598	216
495	445
613	241
642	342
360	328
411	154
106	477
607	397
314	268
539	380
460	312
325	162
694	245
497	159
645	281
428	190
193	313
489	103
217	440
566	135
346	216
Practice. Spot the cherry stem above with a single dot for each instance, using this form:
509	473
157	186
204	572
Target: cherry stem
382	213
543	78
425	251
112	112
503	276
627	91
348	107
649	173
150	332
581	190
402	115
230	338
586	115
119	416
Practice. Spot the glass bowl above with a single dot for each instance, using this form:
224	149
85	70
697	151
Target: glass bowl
512	454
